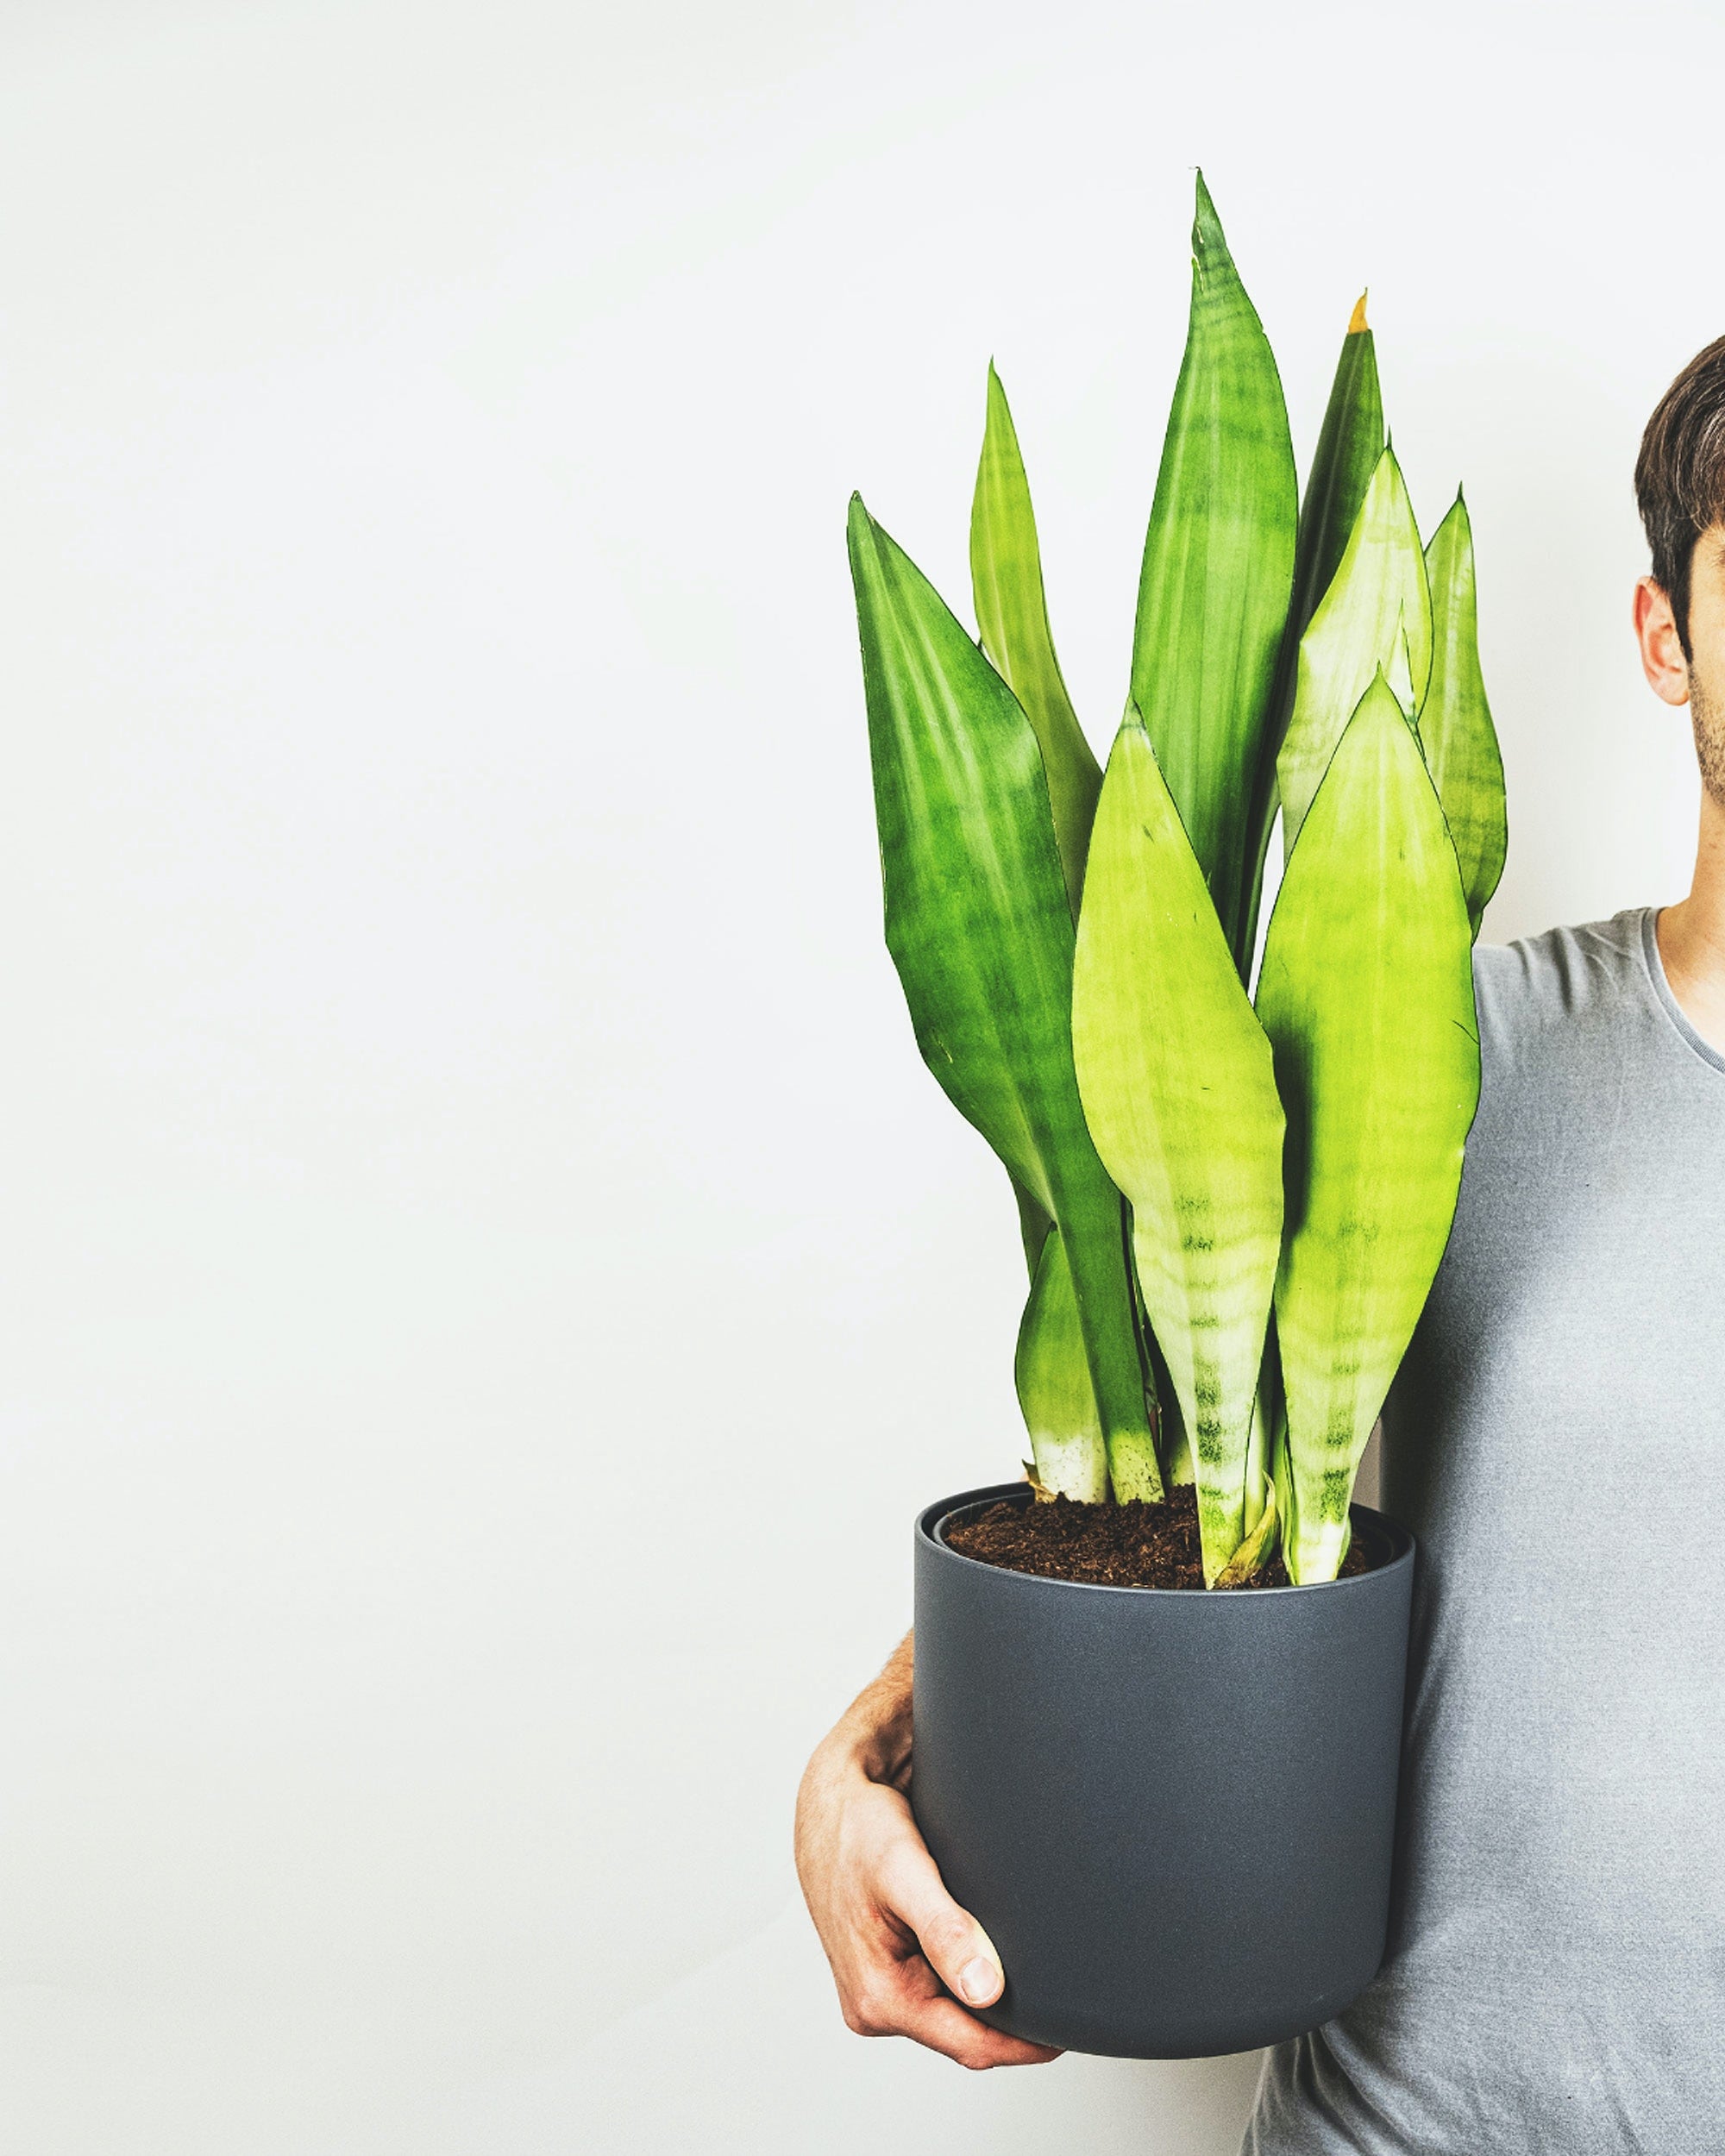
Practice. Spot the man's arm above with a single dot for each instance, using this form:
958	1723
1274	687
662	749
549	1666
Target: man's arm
903	1952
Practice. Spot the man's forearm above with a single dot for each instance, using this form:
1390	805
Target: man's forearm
876	1729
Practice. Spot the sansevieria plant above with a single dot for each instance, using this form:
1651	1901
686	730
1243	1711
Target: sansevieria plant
1233	1193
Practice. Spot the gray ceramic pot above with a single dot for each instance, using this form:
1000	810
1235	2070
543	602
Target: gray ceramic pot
1173	1812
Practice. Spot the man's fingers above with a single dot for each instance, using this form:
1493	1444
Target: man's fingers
957	1948
944	2025
893	1933
908	2002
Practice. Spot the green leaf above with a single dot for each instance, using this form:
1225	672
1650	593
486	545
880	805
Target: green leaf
1176	1080
1265	1406
1376	616
1281	1469
1350	442
1053	1369
980	928
1174	1447
1366	992
1053	1379
1256	1551
1218	568
1034	1226
1011	617
1455	720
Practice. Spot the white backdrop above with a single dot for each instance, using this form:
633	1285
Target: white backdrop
487	1280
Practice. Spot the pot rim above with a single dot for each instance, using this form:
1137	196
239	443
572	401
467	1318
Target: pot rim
933	1517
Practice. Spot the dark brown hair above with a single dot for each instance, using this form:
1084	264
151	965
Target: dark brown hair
1680	475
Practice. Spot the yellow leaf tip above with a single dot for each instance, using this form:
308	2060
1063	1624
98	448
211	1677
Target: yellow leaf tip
1357	320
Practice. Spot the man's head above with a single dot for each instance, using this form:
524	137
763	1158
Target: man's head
1680	607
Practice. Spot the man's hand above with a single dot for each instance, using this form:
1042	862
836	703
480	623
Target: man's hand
903	1952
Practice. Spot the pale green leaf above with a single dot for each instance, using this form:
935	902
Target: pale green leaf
1011	617
1177	1085
1256	1551
1366	992
1377	603
1258	1486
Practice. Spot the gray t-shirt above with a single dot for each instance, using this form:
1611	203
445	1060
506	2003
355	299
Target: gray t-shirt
1556	1974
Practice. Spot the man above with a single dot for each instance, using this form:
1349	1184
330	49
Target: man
1555	1979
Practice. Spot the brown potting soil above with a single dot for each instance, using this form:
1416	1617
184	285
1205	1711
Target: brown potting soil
1134	1545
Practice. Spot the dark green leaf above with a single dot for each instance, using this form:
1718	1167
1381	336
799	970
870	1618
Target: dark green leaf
1052	1372
1455	720
979	925
1350	442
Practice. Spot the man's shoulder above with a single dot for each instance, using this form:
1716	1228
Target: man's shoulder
1564	978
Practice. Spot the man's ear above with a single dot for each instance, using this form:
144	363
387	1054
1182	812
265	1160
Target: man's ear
1662	659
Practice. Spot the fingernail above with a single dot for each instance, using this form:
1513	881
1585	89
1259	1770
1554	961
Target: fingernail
978	1981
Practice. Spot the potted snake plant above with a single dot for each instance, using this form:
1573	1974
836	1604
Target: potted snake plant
1165	1783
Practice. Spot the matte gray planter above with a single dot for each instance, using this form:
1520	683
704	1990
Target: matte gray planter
1173	1812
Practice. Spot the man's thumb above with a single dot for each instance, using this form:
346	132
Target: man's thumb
959	1951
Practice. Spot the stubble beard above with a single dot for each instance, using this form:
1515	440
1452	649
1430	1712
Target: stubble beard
1707	715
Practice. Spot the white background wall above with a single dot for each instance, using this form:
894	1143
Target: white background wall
485	1281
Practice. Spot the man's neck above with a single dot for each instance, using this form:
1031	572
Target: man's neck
1692	934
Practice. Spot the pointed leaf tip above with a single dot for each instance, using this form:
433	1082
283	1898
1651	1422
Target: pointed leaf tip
1206	226
1357	320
